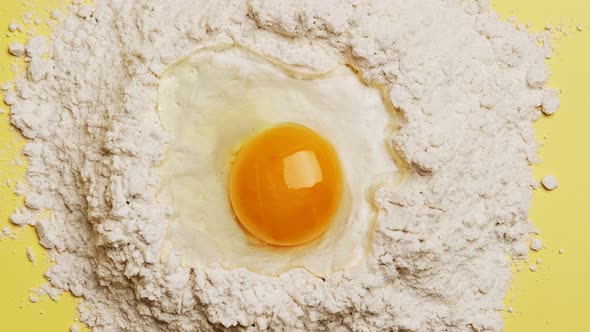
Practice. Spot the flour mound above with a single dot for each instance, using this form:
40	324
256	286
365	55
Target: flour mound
467	85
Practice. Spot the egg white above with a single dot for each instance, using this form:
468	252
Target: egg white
216	98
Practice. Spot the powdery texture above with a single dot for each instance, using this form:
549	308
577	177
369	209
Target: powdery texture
467	85
549	182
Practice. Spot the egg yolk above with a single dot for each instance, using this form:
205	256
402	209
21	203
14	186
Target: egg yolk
286	185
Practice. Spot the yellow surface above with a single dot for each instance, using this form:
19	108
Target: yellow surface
18	273
554	298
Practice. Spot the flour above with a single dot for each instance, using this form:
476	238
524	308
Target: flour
30	255
12	26
536	244
549	182
16	49
467	85
56	14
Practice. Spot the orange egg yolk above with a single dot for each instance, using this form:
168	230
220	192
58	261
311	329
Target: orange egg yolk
286	185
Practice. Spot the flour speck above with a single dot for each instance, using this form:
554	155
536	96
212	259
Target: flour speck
16	49
550	182
536	244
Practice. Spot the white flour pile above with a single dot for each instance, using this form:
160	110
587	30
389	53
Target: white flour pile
467	85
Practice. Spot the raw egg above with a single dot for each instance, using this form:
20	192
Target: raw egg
270	166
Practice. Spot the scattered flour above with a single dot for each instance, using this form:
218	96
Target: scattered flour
550	182
20	188
536	244
467	85
12	26
56	14
27	17
30	255
16	49
550	103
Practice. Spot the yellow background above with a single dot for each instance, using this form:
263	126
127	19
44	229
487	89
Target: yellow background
554	298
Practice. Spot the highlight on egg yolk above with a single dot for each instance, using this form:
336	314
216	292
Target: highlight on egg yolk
286	185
